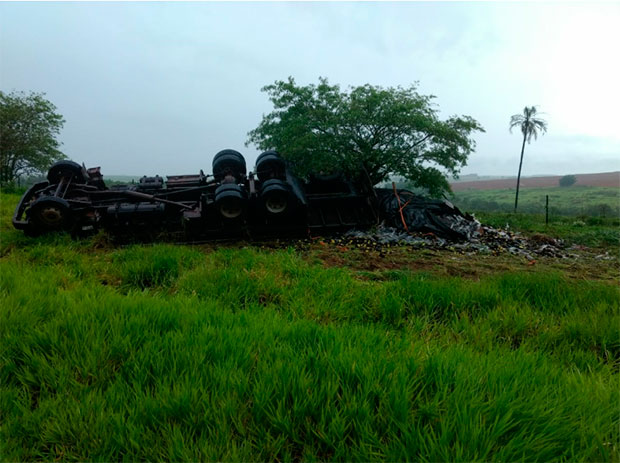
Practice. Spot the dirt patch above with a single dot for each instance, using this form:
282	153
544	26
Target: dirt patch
374	261
371	264
369	260
605	179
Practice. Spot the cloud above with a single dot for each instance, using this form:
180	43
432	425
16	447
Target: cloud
161	87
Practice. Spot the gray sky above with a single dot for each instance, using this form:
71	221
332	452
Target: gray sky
151	88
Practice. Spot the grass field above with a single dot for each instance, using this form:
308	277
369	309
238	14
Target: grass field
575	200
241	352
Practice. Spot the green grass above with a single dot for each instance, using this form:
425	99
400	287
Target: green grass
581	215
588	231
164	352
576	200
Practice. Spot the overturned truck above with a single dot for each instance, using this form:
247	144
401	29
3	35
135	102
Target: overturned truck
270	201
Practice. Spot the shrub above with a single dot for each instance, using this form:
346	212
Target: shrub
567	180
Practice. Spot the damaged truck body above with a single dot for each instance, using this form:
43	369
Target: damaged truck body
230	203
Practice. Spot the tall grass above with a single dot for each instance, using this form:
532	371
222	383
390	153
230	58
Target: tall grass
166	352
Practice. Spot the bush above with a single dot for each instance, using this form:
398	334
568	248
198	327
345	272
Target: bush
567	180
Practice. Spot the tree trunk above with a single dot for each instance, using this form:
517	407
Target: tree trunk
519	174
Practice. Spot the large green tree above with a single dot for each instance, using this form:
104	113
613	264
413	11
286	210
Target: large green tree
29	125
530	126
367	131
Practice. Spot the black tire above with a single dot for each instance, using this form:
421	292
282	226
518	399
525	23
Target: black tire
229	162
50	213
230	201
69	169
270	165
275	196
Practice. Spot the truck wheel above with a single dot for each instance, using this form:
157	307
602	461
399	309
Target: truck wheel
230	201
276	196
50	213
270	165
229	162
68	169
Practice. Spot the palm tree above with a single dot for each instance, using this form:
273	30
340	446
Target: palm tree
530	125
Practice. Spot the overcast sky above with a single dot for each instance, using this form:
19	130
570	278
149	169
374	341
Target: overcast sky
151	88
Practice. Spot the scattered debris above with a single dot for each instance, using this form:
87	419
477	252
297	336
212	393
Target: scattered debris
487	240
604	256
409	212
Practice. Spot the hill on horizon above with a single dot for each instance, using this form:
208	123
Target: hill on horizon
604	179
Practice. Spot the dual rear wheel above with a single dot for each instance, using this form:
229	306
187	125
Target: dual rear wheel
230	201
231	198
275	196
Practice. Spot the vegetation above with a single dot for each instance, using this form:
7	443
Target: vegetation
204	353
367	131
567	180
529	125
584	202
29	125
588	216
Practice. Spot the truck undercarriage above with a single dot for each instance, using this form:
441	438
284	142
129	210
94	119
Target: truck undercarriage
270	201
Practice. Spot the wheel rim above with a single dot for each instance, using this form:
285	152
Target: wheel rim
231	209
51	216
276	204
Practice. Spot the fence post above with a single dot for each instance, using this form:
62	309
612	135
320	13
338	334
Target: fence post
546	210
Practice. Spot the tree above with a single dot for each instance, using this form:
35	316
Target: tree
567	180
29	125
530	125
368	132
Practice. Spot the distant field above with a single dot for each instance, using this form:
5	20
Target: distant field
606	179
575	200
241	352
